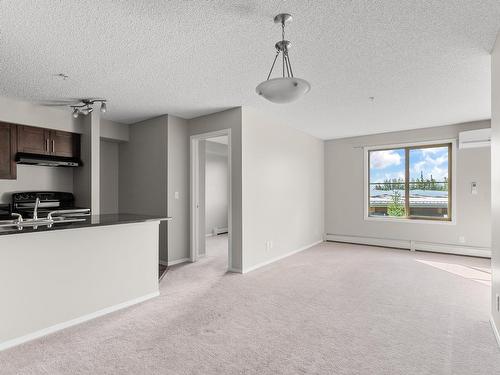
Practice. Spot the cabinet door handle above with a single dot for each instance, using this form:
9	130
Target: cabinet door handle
47	145
53	146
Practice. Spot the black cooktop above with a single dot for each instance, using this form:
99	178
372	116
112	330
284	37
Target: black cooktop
5	212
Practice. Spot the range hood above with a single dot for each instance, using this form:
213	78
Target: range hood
47	160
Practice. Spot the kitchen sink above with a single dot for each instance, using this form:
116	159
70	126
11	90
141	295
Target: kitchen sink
37	222
53	217
8	223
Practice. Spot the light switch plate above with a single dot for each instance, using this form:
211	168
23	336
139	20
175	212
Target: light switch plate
176	195
473	188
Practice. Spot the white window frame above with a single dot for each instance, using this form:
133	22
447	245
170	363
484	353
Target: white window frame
366	167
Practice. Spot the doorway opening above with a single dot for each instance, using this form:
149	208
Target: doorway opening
211	198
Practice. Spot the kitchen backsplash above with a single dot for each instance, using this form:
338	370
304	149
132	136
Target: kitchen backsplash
37	178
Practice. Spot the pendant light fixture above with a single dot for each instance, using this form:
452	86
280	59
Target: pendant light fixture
287	88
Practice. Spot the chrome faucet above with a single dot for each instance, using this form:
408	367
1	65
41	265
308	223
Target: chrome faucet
18	216
35	211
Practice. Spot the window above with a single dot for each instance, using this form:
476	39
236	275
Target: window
411	182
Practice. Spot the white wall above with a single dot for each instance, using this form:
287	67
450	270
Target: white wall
495	179
22	112
216	189
283	189
109	179
86	177
230	119
114	131
178	181
143	173
344	192
153	166
30	177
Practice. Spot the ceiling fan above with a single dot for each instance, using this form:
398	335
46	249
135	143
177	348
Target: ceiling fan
79	106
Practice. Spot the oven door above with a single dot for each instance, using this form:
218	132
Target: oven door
5	213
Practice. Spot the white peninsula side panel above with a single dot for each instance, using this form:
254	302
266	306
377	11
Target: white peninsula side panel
54	279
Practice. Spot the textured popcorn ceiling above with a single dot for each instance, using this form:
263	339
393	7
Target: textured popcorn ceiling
426	63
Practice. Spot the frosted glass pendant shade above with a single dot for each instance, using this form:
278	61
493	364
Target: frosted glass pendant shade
284	89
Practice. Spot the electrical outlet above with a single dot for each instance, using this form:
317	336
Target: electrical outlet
269	245
461	239
176	195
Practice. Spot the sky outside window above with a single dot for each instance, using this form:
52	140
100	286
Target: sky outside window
429	163
387	165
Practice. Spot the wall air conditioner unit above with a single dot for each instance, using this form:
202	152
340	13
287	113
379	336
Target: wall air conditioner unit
474	138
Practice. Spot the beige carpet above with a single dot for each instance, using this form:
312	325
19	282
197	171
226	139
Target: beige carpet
332	309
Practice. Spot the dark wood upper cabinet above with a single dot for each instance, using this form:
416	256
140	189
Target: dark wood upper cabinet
33	140
47	142
64	144
8	146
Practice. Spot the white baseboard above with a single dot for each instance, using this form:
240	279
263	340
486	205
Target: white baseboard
178	261
475	251
495	330
272	260
57	327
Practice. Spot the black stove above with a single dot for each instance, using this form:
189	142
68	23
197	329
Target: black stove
5	212
24	202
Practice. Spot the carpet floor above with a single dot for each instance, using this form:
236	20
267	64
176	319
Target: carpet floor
332	309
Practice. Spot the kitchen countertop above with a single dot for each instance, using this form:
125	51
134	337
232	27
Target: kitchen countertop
90	221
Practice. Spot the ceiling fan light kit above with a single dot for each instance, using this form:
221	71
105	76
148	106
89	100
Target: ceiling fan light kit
86	106
287	88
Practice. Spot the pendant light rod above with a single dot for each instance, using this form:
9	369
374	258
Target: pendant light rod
283	41
274	62
289	64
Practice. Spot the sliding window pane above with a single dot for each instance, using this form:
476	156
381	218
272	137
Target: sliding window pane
429	182
387	183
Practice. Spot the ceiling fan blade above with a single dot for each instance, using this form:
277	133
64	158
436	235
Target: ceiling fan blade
59	102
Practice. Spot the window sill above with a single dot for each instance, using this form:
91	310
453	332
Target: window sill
410	221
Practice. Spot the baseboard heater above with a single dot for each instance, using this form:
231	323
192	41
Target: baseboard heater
483	252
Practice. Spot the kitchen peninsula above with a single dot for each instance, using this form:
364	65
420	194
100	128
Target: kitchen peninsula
55	276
